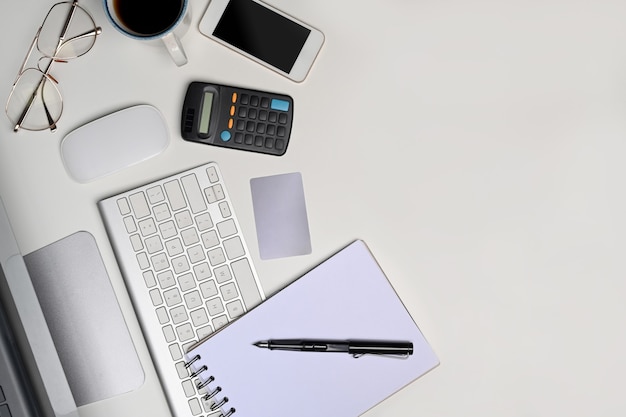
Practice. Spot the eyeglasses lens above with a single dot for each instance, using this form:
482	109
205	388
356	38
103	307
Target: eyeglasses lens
79	34
39	95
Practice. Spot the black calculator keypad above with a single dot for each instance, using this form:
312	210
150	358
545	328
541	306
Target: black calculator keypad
259	121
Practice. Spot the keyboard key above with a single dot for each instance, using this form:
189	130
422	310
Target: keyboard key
202	271
235	309
162	212
186	282
190	236
168	229
175	195
130	225
196	254
162	315
219	192
174	247
188	387
154	244
170	336
175	351
185	332
183	219
183	371
172	297
160	262
179	314
212	174
227	228
222	274
140	205
155	194
247	285
122	204
204	331
229	291
215	306
148	277
208	289
199	317
210	239
180	264
219	321
234	248
204	222
210	195
225	209
194	406
155	295
216	256
193	300
147	227
142	260
136	243
194	194
166	279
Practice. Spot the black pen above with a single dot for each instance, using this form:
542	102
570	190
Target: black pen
355	347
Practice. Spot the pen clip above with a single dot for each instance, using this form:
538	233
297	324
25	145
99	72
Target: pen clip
387	355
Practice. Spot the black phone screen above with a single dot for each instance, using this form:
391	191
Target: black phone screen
262	33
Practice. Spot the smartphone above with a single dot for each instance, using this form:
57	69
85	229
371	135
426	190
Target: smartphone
264	34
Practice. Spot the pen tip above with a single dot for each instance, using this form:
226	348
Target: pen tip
261	344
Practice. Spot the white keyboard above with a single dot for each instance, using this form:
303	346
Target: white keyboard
187	267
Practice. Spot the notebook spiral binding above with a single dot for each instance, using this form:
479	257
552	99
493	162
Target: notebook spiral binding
210	394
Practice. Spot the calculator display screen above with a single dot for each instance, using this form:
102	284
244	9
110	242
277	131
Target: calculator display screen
205	113
263	33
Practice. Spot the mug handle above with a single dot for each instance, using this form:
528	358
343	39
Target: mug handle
175	48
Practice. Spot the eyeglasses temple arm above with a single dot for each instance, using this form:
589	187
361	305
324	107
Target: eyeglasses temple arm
68	20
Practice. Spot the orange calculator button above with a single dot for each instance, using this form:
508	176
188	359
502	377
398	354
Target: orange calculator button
232	110
234	97
230	123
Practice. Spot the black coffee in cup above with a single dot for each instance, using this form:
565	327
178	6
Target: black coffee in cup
148	17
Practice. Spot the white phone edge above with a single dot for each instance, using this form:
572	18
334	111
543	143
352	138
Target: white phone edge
307	54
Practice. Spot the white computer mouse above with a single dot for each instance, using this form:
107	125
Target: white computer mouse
113	142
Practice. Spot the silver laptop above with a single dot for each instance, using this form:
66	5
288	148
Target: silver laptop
32	379
54	342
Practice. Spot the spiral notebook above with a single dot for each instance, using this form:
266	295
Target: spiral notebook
346	297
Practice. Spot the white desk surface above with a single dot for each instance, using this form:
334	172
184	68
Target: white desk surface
477	146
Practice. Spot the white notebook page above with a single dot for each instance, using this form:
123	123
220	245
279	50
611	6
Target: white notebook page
346	297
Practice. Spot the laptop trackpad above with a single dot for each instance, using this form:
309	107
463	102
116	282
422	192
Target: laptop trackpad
85	320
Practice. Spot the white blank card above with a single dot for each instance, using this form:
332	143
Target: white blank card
280	215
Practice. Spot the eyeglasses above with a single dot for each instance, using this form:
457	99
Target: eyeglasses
35	103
